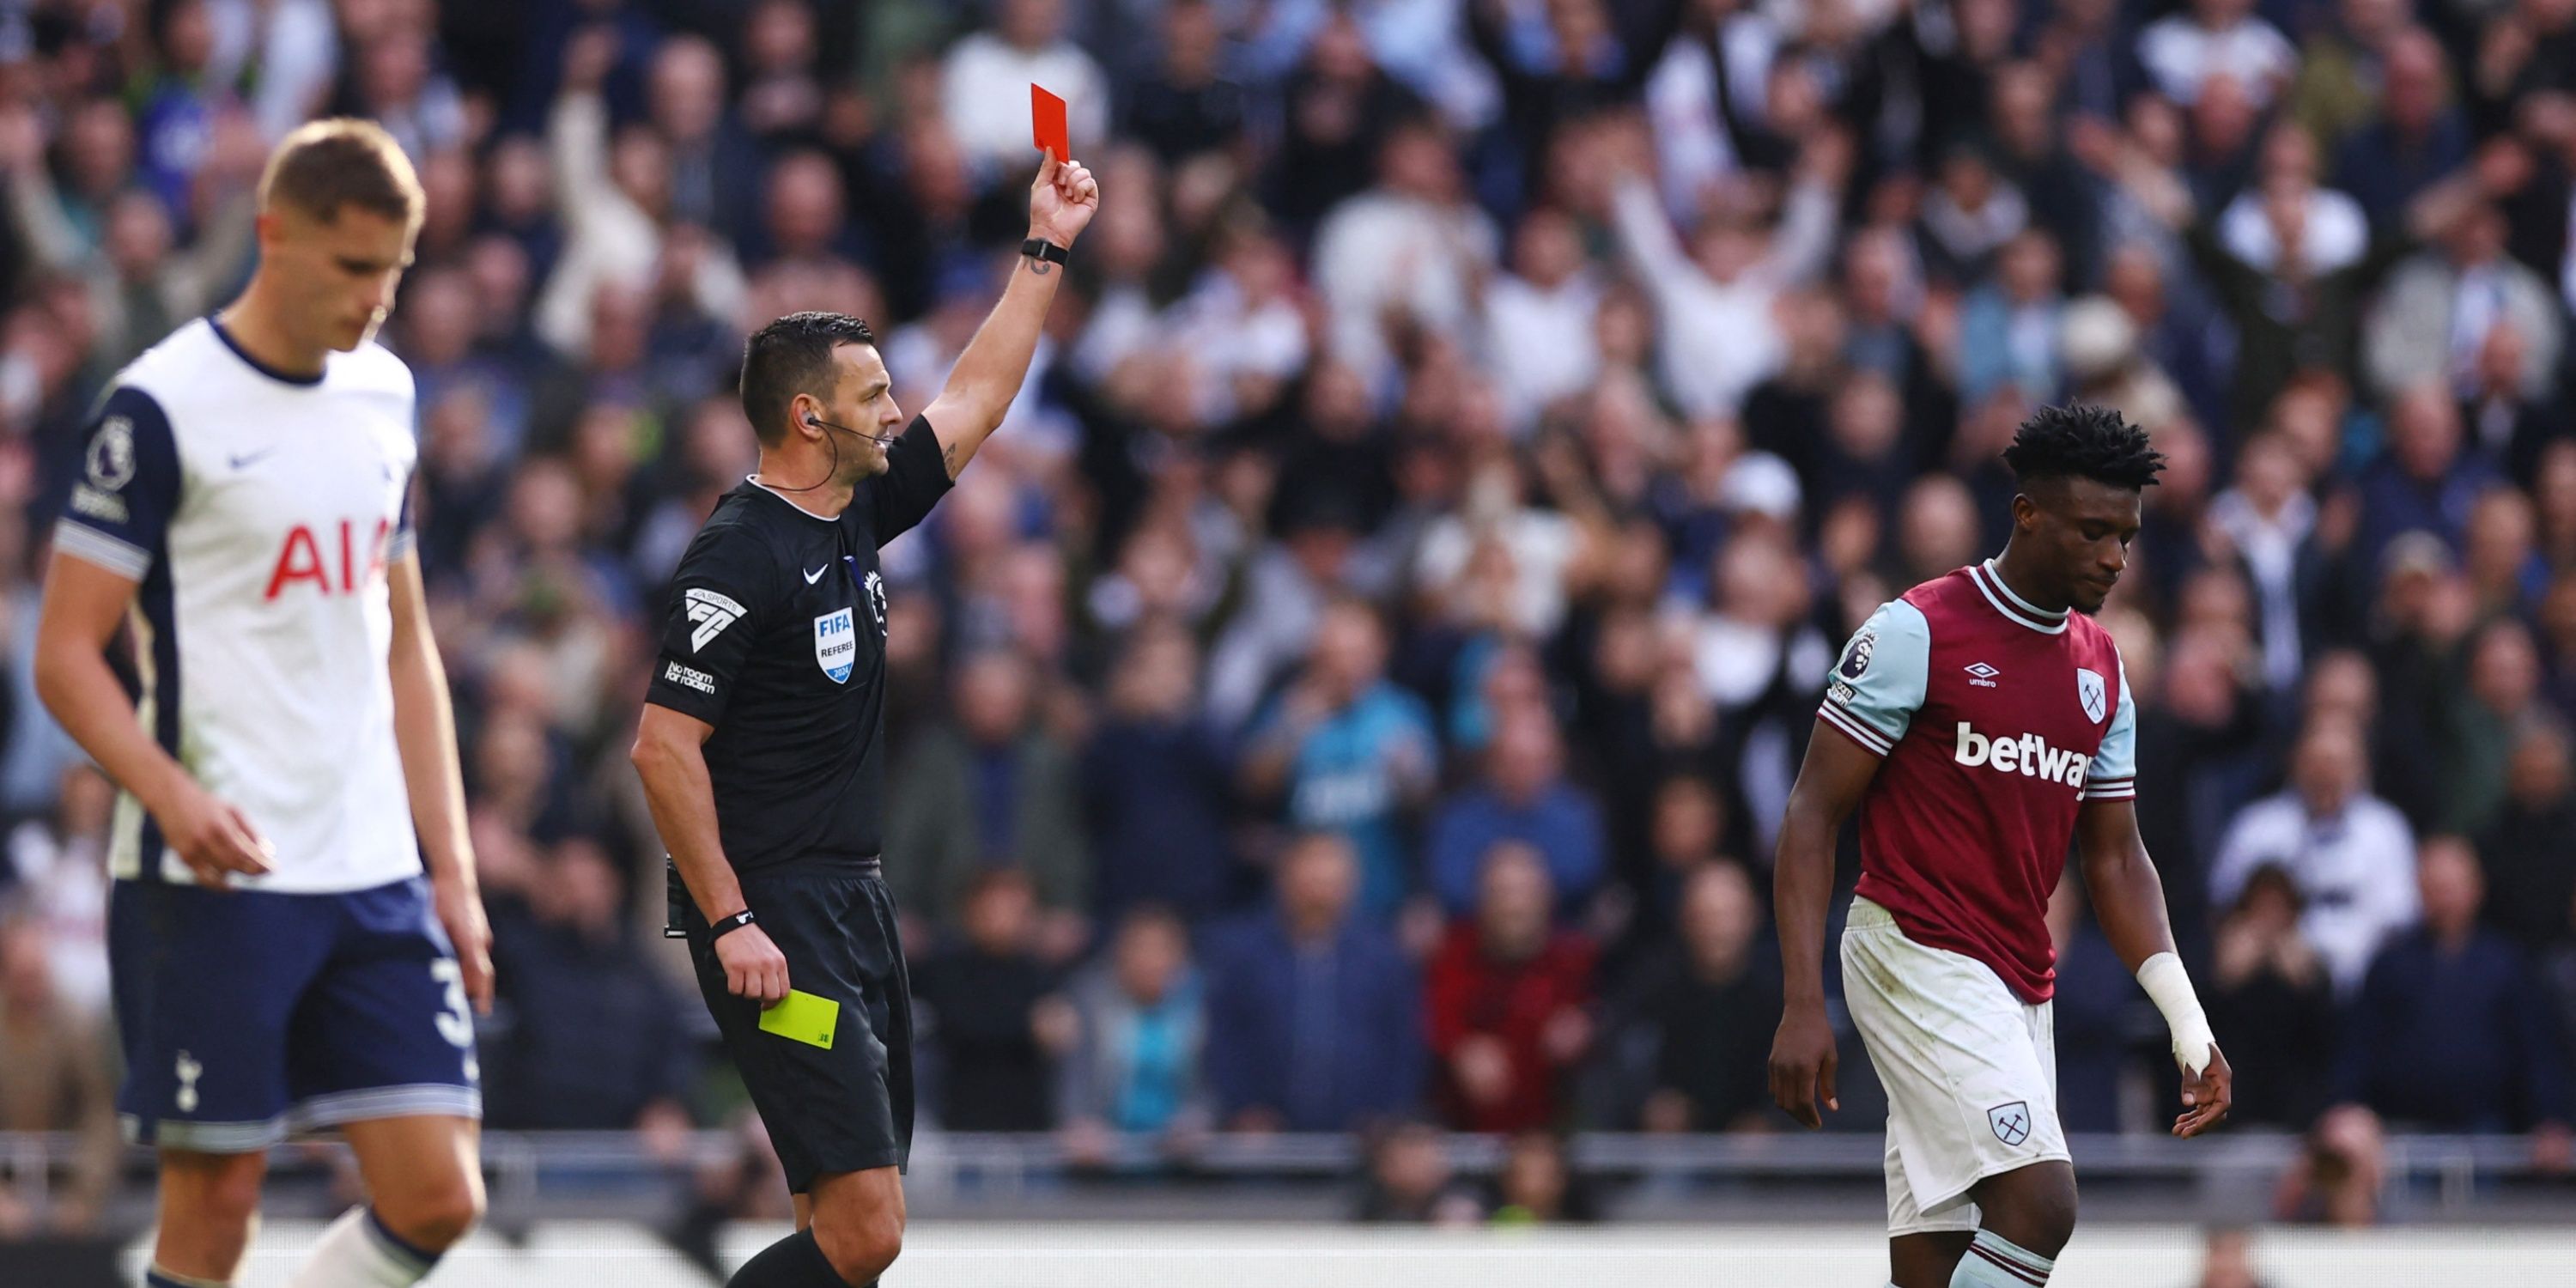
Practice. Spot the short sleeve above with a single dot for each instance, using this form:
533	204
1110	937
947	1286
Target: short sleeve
405	538
127	487
717	600
1877	684
2113	775
916	477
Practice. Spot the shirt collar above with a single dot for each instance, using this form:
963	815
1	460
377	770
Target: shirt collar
2019	610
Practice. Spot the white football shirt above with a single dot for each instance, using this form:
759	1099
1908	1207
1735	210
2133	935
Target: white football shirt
256	513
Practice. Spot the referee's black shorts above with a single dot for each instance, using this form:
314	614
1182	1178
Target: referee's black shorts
843	1109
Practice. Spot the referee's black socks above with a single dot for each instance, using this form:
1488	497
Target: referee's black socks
793	1262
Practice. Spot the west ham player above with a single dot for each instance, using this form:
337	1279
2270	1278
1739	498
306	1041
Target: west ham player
281	961
1979	723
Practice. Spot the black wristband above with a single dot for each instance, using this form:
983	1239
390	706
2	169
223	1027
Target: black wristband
723	926
1041	248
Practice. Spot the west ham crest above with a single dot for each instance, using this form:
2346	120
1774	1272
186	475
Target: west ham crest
2010	1121
2090	691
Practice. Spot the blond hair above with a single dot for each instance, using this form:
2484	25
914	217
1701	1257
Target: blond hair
342	161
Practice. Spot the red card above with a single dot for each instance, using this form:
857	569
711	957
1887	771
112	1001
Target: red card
1046	116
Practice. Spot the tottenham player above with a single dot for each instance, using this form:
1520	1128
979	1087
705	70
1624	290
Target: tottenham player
760	746
1979	724
279	725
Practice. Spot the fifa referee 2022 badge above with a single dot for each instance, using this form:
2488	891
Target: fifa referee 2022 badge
761	742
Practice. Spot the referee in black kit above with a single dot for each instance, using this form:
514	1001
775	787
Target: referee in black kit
761	742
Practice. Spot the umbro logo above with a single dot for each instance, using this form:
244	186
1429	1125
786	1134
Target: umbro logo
1981	675
712	612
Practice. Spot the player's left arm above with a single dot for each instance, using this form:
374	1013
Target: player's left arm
988	374
425	731
2129	900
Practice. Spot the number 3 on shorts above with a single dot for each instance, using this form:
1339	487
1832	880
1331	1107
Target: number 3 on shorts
456	1023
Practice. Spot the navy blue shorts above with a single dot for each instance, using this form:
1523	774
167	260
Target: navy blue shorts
247	1014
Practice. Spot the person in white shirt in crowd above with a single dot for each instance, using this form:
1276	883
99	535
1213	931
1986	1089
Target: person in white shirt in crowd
1538	318
613	194
2350	853
1716	336
984	85
1414	245
2437	309
2182	51
2267	519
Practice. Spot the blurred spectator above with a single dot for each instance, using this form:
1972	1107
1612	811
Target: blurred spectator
714	167
2227	1262
1140	1036
986	1005
56	1074
59	867
1538	1185
993	788
1694	1019
1714	299
2339	1175
2437	312
1410	1181
1539	316
983	85
1410	250
596	1040
1522	795
1155	790
2429	478
2269	994
1509	1002
2009	331
1314	1014
2269	522
614	193
1347	751
2217	38
1187	106
2501	687
2449	1033
2530	869
2350	855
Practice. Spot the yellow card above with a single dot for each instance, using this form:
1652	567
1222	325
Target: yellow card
803	1017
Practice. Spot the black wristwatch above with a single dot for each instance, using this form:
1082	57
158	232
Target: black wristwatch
723	926
1041	249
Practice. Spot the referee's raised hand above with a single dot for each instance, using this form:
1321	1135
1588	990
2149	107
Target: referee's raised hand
753	966
1062	201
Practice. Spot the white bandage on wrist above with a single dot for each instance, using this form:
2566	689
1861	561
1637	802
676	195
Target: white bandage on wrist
2169	986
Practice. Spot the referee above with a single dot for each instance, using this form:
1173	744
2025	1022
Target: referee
760	746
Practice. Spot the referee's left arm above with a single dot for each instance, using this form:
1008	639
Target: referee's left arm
988	374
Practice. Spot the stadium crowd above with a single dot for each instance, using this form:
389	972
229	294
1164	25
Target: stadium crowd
1360	682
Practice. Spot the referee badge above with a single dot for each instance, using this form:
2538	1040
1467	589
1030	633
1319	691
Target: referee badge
836	644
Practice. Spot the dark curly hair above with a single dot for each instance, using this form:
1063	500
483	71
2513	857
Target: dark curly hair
792	356
2082	441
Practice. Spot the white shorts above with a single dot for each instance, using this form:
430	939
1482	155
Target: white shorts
1970	1070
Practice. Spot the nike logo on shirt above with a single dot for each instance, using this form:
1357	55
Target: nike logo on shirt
244	460
817	574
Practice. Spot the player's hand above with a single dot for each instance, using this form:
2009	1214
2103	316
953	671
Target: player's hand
460	910
1802	1065
2206	1096
753	966
1062	201
213	838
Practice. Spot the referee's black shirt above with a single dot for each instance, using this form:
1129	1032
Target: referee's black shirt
776	637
